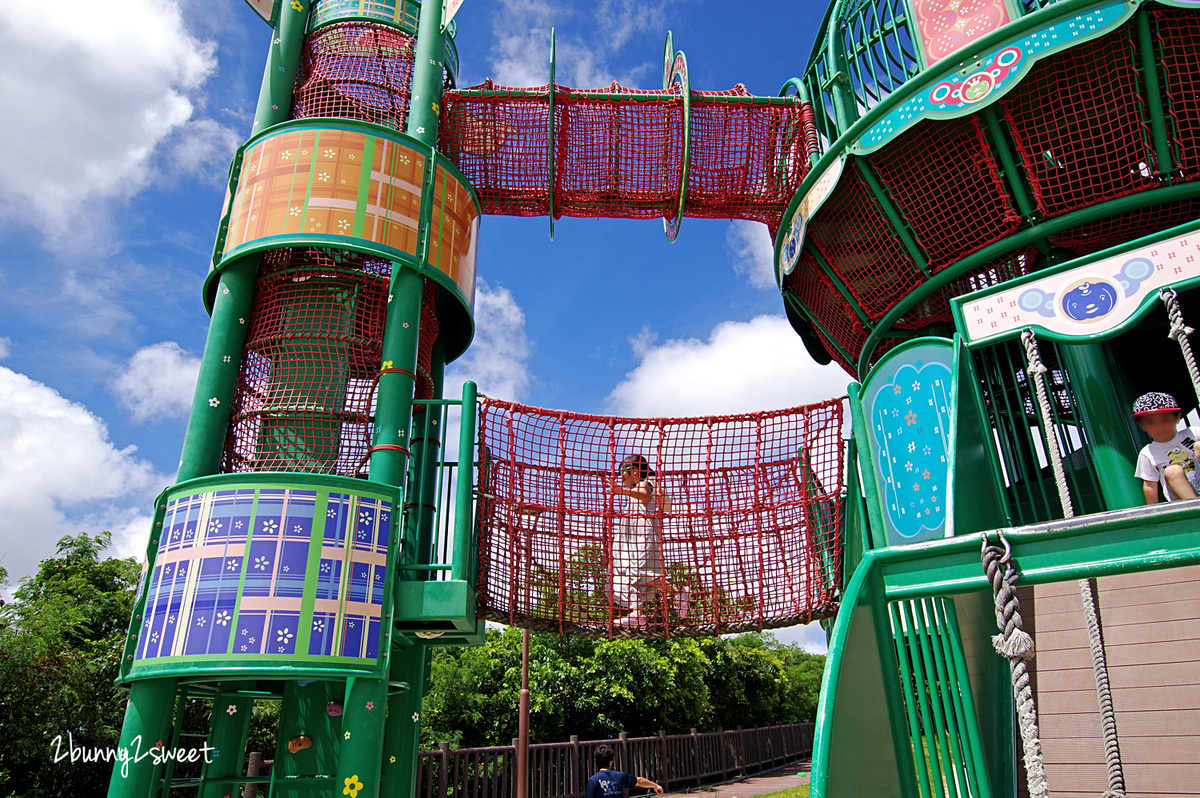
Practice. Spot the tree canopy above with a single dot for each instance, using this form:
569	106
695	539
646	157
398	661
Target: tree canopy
598	688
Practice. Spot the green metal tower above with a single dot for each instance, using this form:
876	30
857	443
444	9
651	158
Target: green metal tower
319	537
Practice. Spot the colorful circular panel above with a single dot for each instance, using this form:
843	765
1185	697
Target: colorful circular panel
267	575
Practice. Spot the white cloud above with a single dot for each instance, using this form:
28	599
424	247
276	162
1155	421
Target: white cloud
497	358
810	637
157	382
753	252
91	92
742	367
522	48
60	474
5	347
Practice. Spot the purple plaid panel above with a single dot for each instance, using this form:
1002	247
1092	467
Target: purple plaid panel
320	641
337	515
372	648
289	576
180	524
329	576
378	583
229	516
248	639
360	581
212	608
281	632
157	599
354	632
371	525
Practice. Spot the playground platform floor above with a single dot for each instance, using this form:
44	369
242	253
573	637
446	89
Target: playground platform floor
759	784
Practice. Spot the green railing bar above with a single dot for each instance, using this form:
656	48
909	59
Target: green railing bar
937	743
180	707
954	760
1034	477
862	430
936	777
1158	128
1012	172
964	699
423	567
889	209
463	517
844	140
890	672
907	678
1020	239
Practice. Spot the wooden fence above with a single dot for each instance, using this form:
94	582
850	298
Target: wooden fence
561	770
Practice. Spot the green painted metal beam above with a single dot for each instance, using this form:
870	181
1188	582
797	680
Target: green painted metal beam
147	721
893	215
1117	541
1158	127
283	62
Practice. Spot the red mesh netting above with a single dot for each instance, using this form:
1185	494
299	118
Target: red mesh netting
738	527
502	145
817	293
1078	122
355	70
945	184
304	393
860	245
1113	230
619	157
1179	58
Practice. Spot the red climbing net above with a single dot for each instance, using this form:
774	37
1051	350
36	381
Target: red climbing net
742	531
305	394
618	152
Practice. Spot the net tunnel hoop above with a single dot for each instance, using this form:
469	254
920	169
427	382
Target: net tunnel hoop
752	529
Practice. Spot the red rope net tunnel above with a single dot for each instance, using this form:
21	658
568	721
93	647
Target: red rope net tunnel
741	531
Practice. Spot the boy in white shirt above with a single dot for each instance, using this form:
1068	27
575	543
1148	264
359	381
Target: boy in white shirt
1172	458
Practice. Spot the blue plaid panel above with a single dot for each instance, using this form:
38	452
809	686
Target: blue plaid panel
337	518
329	576
354	634
324	626
248	639
229	516
281	633
371	525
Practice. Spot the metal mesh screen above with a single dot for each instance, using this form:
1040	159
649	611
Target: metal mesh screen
355	70
745	521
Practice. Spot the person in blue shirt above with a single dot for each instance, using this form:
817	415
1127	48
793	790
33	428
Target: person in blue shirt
610	783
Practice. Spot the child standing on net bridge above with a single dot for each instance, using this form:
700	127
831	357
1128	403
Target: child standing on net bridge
609	783
638	568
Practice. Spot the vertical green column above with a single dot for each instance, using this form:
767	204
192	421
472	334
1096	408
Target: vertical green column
205	437
283	61
404	724
1107	422
230	726
147	722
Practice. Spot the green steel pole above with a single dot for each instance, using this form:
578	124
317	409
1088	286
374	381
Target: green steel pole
230	727
464	526
205	437
404	724
1105	418
283	62
1158	125
426	101
147	721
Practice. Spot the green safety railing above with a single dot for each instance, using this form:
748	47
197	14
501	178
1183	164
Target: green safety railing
439	494
1011	410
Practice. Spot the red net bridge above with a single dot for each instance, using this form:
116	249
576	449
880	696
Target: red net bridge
735	524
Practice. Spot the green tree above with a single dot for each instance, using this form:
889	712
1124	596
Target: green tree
60	649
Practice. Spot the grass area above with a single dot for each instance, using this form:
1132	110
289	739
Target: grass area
791	792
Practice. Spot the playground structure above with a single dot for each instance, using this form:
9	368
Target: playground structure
986	218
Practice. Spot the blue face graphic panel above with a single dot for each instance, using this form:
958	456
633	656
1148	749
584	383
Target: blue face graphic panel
907	405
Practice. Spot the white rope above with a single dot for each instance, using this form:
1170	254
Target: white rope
1179	332
1087	587
1015	644
1037	373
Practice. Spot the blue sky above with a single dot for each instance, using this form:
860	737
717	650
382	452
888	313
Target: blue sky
120	121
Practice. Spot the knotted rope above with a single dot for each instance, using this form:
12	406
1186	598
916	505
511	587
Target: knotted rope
1179	332
1015	644
1087	587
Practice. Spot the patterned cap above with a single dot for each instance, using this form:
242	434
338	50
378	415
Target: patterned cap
1154	402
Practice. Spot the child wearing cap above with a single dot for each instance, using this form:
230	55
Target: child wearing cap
1172	458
